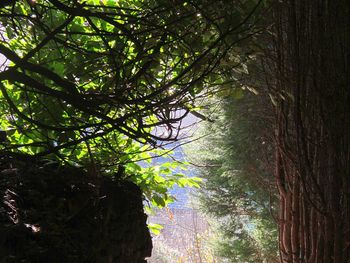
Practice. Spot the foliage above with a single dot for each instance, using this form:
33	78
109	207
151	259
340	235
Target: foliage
233	158
104	71
156	180
88	82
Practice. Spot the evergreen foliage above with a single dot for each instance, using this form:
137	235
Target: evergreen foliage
238	188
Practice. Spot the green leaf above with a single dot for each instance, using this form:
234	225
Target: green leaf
155	228
157	200
133	168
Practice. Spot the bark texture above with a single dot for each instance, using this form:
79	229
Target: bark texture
311	91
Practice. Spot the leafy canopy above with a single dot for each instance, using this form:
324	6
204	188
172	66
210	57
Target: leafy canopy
90	81
77	71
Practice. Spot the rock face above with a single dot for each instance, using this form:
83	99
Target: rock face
57	214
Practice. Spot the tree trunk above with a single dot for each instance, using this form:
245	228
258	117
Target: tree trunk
312	93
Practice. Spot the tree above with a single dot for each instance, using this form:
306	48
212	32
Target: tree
92	69
234	157
310	87
304	68
88	70
90	82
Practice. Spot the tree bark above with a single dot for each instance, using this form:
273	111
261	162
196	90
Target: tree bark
311	53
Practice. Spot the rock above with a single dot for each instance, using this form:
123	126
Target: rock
58	214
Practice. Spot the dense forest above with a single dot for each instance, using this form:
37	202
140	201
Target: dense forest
91	91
